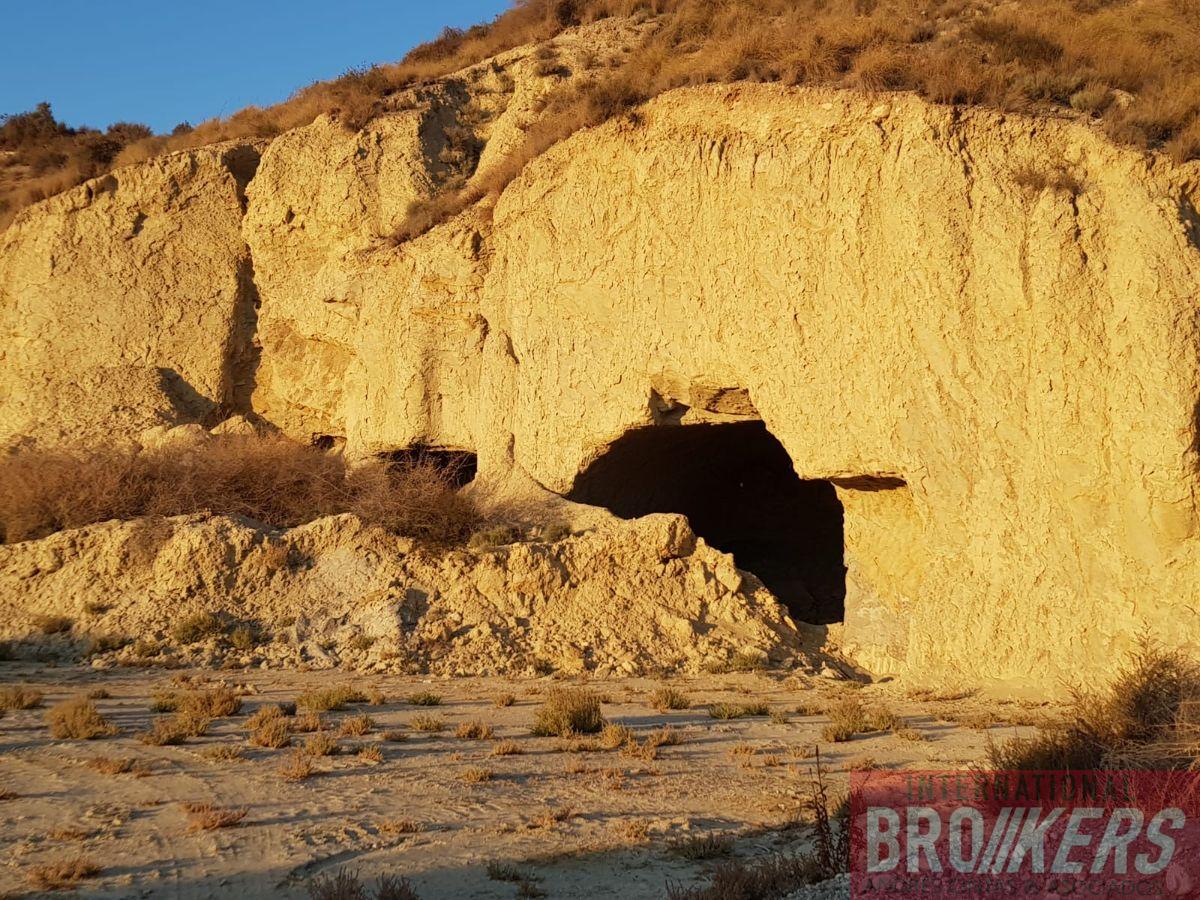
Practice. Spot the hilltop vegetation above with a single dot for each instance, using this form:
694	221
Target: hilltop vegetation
1132	64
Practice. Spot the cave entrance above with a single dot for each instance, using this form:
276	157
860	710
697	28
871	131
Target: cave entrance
736	485
460	466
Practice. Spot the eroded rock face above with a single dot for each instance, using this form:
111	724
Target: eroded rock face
1015	366
136	284
979	328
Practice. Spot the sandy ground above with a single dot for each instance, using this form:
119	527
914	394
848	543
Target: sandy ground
583	822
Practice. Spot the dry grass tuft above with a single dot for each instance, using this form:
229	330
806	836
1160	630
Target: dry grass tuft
503	700
400	826
614	736
738	710
357	726
224	753
849	717
206	817
346	885
474	731
710	845
78	719
424	698
371	754
665	698
118	765
395	735
506	748
63	876
267	478
17	696
322	743
428	724
476	775
296	767
568	711
165	731
272	733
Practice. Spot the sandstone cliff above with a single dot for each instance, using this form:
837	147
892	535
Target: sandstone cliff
979	328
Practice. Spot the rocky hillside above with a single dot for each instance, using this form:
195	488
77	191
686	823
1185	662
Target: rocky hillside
974	329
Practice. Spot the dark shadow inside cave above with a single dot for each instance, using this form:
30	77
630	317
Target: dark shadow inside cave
736	485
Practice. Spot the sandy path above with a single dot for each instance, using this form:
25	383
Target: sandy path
571	816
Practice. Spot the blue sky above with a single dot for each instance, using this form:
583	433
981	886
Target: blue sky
167	61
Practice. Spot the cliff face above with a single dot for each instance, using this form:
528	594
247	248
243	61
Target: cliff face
981	329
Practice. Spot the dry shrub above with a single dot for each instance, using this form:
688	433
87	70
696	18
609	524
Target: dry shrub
346	885
474	731
507	748
63	876
264	714
738	710
268	478
296	767
665	698
166	731
400	826
328	699
206	817
119	765
425	698
504	700
17	696
568	711
272	733
476	775
428	724
710	845
614	736
1145	720
371	754
78	719
357	726
223	753
322	743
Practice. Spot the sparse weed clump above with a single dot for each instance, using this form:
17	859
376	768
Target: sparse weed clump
346	885
850	717
665	698
357	726
474	731
428	724
738	710
330	699
424	698
568	711
63	876
78	719
17	696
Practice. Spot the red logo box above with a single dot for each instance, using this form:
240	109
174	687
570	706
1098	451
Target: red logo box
1025	834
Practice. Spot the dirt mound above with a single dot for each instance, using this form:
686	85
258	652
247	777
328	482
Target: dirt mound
620	598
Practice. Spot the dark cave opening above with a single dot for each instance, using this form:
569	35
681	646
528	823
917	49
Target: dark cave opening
460	466
736	485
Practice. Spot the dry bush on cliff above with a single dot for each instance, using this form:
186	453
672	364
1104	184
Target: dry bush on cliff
1022	55
269	478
